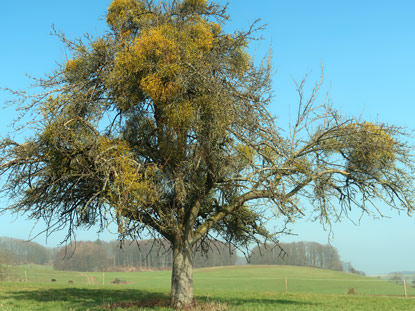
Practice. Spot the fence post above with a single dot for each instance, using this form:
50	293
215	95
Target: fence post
286	285
404	287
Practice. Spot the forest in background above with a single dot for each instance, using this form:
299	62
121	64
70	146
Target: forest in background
150	255
310	254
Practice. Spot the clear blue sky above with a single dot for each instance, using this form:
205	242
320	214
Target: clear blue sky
367	49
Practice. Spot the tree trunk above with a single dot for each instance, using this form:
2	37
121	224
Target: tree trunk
182	276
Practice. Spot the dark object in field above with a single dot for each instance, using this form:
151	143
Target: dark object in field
53	280
70	282
351	292
118	281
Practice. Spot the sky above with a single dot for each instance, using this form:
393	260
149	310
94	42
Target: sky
367	49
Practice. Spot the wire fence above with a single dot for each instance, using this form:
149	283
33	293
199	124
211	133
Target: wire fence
352	286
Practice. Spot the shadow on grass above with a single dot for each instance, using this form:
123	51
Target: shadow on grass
236	301
109	299
93	298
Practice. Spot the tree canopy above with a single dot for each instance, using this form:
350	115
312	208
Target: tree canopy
163	126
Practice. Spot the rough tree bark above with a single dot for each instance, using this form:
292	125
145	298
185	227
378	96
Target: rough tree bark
182	276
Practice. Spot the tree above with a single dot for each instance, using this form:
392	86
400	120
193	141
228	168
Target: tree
162	125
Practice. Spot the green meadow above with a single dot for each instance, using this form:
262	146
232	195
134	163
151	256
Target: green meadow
224	288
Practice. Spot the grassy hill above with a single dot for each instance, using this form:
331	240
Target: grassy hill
251	288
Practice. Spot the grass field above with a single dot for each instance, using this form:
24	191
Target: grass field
226	288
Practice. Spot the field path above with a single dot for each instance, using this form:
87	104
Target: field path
90	279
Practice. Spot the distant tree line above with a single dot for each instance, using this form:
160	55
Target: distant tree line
347	267
16	251
310	254
145	254
150	254
3	267
81	256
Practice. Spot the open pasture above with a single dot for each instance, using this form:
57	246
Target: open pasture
224	288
